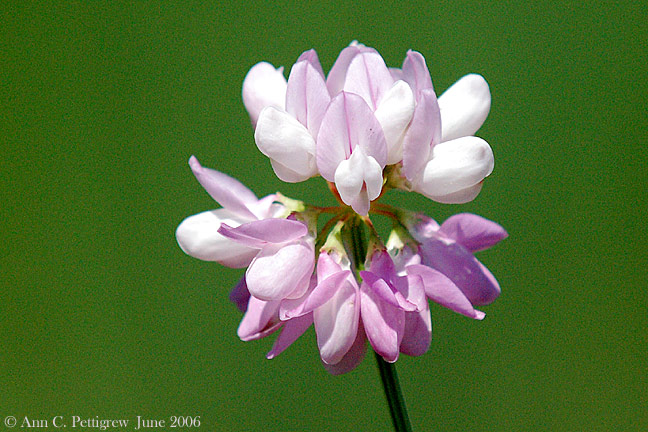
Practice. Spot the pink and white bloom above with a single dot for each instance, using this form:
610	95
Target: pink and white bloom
441	158
198	235
449	249
286	133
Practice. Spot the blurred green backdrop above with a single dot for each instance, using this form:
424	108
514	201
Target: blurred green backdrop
101	314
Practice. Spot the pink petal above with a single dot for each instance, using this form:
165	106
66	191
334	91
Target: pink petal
225	190
260	320
327	289
258	233
336	323
311	57
417	334
383	323
424	132
307	96
353	357
416	73
291	331
263	86
368	77
337	75
280	271
474	232
347	123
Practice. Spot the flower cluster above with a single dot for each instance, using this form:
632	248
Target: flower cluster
366	129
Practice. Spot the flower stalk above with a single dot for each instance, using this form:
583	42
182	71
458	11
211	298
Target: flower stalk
388	375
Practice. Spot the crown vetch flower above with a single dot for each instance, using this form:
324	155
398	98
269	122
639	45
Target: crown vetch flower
361	122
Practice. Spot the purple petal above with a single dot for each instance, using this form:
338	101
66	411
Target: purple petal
307	96
225	190
281	271
368	77
240	295
259	233
416	73
347	123
353	357
417	334
326	289
263	86
383	323
423	134
260	319
291	331
462	268
474	232
443	291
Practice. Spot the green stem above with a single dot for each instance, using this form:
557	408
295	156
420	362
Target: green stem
355	243
394	396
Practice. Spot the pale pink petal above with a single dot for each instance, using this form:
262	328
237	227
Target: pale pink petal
198	237
311	57
397	74
423	133
368	77
416	73
474	232
282	138
260	319
280	271
337	75
383	323
327	289
307	96
464	107
225	190
258	233
353	357
326	266
394	113
456	165
336	323
263	86
440	289
291	331
347	123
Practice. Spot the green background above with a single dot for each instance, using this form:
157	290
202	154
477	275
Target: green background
101	314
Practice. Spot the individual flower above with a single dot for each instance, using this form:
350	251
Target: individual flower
449	249
198	235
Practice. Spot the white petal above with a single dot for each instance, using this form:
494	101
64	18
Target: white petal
464	107
359	180
263	86
456	165
460	197
198	236
283	139
394	112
